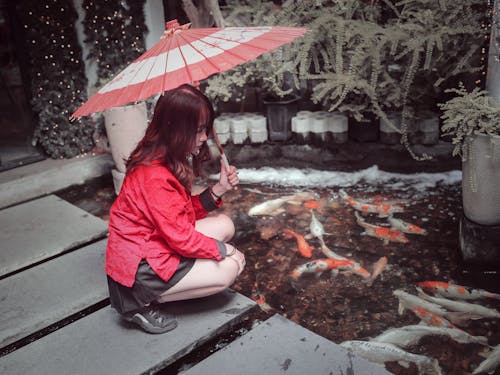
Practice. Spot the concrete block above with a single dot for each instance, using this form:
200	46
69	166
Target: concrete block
42	228
102	343
279	346
49	292
37	179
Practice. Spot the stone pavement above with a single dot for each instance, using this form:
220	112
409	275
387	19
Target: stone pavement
55	316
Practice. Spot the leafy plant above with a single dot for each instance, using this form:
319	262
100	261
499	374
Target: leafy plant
467	114
58	81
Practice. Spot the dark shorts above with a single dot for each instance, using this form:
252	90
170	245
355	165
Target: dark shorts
148	286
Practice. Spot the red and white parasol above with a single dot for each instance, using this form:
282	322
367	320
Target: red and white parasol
185	55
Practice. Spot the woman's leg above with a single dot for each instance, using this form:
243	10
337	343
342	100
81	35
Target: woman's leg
218	226
208	276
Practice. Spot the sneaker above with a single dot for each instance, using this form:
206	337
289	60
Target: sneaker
152	320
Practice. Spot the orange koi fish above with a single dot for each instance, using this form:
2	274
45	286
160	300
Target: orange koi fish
383	233
456	291
431	318
312	204
303	247
378	268
383	210
353	266
405	227
260	299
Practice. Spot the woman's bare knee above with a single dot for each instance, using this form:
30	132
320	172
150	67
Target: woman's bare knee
228	227
218	226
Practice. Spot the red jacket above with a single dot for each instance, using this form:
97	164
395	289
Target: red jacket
153	218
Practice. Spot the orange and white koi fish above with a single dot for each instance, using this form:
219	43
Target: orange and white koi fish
355	267
450	290
315	266
335	265
405	227
383	210
409	301
383	233
431	318
303	247
378	267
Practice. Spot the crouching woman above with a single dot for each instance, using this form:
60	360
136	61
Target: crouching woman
164	243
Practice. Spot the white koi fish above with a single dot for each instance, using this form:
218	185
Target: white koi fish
405	227
379	352
330	253
410	335
476	311
490	364
450	290
383	210
274	207
317	229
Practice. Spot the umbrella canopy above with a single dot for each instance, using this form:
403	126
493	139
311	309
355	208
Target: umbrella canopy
186	55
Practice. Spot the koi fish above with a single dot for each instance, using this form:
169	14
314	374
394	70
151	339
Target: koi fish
473	311
409	301
335	265
378	267
456	291
317	266
274	207
316	228
379	352
490	364
405	227
431	318
410	335
383	210
383	233
312	204
330	253
260	300
303	247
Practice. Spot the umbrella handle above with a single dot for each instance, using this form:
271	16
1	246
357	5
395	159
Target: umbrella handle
221	151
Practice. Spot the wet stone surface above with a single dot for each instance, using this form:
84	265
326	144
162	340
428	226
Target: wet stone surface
345	306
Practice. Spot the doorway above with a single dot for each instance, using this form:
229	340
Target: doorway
16	116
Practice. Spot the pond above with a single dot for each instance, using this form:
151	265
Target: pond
346	306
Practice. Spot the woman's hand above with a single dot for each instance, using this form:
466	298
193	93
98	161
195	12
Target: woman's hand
228	180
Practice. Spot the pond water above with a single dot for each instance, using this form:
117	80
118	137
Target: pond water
345	306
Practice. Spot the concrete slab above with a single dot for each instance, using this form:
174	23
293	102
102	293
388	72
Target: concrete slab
101	344
42	178
279	346
49	292
42	228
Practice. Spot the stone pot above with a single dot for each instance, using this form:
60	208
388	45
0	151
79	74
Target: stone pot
481	180
279	118
125	127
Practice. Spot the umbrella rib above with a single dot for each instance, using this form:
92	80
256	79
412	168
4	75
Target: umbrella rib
186	66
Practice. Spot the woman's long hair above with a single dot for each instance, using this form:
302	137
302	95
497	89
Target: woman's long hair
171	134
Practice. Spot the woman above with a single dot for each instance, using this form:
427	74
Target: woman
163	246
